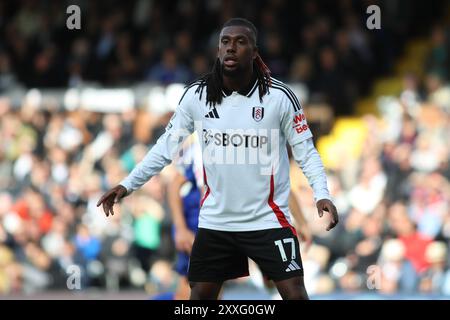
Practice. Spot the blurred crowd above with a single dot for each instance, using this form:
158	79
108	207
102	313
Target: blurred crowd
54	167
394	199
323	44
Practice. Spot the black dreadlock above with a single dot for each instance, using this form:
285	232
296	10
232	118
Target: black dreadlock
213	80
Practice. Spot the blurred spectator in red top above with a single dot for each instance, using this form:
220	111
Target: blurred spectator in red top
414	242
32	207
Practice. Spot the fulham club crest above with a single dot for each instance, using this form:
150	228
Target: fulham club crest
258	113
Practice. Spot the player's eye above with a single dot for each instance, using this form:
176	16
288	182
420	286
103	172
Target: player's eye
224	41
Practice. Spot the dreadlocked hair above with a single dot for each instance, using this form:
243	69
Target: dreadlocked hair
213	80
213	83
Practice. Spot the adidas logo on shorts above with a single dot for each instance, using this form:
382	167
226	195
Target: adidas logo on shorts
292	266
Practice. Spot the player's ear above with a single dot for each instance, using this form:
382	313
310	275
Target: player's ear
255	52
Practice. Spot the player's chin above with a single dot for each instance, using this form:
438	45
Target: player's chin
231	71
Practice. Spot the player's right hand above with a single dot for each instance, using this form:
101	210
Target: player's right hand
111	197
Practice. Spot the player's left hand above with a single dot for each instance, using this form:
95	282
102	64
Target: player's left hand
328	206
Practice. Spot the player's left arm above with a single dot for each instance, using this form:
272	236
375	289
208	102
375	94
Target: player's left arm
297	132
308	159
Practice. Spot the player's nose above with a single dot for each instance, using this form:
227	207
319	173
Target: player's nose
231	48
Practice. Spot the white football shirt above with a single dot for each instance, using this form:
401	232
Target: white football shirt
245	160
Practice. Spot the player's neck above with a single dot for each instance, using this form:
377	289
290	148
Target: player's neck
239	82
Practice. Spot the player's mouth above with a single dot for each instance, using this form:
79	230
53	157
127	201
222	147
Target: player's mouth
230	62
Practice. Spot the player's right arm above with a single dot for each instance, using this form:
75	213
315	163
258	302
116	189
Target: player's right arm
180	126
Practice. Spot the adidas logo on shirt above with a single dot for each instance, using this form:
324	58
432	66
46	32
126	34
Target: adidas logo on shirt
212	114
292	266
